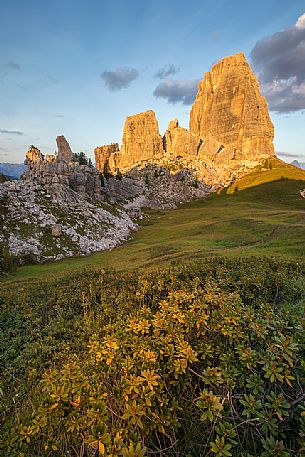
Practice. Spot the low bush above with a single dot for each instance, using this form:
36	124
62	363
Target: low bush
204	359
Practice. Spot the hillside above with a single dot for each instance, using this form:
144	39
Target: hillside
272	170
120	361
265	217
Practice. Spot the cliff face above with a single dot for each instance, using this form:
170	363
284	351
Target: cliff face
178	141
231	116
141	143
230	130
141	140
107	157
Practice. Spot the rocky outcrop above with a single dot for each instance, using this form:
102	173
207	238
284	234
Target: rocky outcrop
58	210
178	141
50	158
58	173
141	141
141	144
33	156
57	176
231	117
154	187
35	225
65	153
107	157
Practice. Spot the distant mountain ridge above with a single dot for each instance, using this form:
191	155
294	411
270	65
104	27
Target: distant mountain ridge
298	164
13	170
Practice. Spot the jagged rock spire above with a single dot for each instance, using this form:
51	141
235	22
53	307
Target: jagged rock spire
65	153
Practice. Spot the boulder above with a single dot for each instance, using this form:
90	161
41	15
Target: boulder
56	230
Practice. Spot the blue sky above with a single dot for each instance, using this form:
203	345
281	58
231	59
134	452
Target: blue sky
61	64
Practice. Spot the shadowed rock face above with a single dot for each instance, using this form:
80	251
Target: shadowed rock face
230	114
65	153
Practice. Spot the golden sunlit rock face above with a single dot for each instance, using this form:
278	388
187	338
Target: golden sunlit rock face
231	115
106	157
230	130
33	155
179	141
141	140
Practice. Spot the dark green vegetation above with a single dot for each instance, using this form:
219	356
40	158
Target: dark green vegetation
264	218
82	159
197	360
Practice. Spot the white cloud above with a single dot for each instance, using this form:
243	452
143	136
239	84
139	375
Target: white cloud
300	24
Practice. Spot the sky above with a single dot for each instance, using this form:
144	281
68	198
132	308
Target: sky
78	68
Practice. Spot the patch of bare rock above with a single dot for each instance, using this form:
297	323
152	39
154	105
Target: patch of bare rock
38	225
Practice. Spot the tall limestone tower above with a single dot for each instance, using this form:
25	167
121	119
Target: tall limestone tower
231	115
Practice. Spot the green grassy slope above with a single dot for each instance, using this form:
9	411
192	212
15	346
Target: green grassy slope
266	217
272	170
